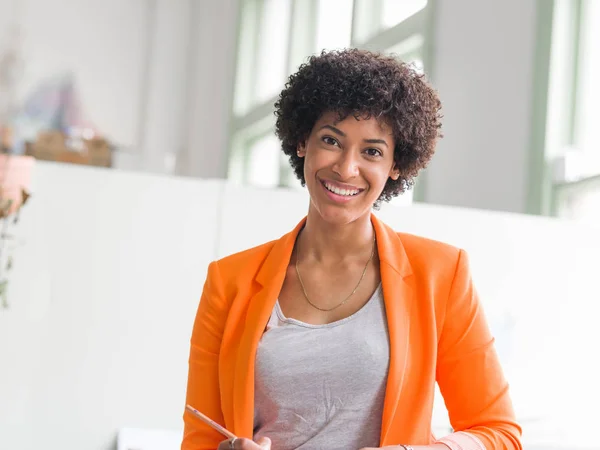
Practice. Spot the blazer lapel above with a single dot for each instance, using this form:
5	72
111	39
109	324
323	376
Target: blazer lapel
270	279
399	297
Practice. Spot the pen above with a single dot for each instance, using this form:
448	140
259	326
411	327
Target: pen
225	432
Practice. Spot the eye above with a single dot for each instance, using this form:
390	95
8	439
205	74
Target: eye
373	152
330	141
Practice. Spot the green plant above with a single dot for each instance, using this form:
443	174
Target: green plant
9	216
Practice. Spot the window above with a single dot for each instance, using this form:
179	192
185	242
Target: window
410	51
383	19
272	48
394	11
588	89
581	203
264	161
572	144
262	51
334	24
276	36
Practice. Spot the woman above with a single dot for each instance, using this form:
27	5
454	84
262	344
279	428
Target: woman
334	336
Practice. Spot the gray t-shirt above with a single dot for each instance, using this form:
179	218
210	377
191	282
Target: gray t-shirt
323	386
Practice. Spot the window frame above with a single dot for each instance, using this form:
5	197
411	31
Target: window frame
256	120
557	89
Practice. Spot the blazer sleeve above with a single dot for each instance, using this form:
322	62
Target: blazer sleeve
203	391
469	374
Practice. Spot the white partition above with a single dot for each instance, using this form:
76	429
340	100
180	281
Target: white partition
251	216
104	293
141	439
107	282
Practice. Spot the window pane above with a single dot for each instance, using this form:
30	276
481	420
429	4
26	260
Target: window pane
236	166
264	156
582	206
587	138
249	11
288	176
272	48
334	24
414	60
395	11
410	51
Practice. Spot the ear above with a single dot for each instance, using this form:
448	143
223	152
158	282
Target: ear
395	173
301	150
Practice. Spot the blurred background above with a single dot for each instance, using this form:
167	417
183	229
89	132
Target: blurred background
143	130
187	87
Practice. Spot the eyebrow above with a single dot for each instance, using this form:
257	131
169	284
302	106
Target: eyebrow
376	141
334	129
341	133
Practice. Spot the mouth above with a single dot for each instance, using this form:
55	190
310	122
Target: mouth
340	193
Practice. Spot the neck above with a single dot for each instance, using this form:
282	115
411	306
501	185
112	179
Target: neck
333	243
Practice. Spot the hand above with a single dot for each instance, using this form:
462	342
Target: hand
388	447
246	444
414	447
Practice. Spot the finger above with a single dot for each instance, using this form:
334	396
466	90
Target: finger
243	444
248	444
224	445
389	447
265	443
239	444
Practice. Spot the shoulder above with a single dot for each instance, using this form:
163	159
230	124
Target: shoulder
418	247
243	264
245	257
429	257
441	276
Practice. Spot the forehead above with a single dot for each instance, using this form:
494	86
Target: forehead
355	123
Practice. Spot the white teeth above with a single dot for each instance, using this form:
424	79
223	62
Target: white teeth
345	192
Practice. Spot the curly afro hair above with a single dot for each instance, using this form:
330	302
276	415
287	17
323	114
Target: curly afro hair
363	84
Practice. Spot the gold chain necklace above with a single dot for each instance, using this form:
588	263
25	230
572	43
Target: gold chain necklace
351	293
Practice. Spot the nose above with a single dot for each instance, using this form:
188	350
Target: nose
346	166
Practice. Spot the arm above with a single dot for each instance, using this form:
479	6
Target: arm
203	391
470	376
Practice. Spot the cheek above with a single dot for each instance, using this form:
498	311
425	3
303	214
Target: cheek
310	170
316	160
307	167
378	177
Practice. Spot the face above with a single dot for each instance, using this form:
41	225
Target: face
346	166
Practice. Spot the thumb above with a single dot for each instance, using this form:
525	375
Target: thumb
265	443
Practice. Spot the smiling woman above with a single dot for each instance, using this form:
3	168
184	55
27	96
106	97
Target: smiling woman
363	85
347	164
334	336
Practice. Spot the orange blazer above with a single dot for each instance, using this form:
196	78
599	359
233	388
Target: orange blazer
437	332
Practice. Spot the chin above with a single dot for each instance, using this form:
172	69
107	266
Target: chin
340	215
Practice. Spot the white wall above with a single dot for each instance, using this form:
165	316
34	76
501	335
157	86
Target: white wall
483	55
106	285
210	88
163	114
103	298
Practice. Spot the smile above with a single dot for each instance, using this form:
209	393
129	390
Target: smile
344	192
